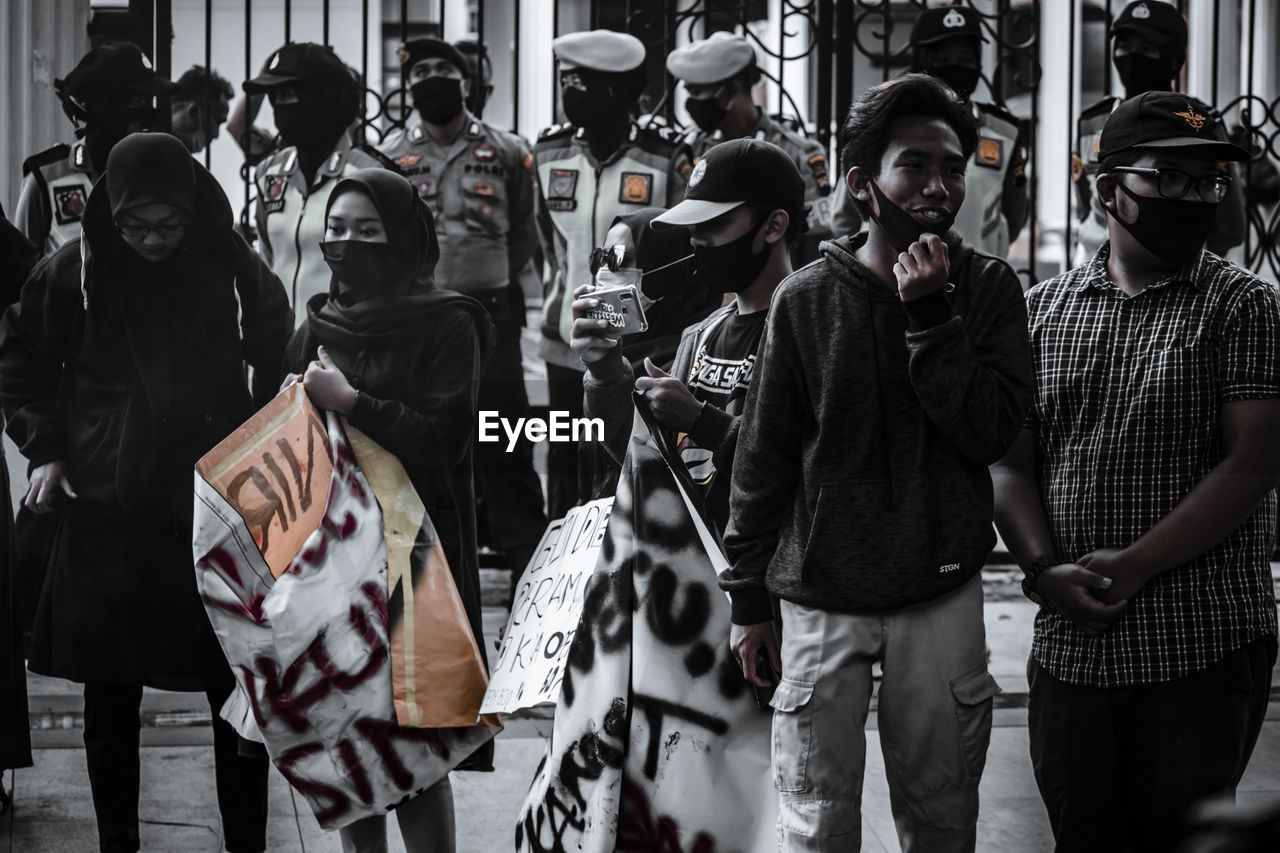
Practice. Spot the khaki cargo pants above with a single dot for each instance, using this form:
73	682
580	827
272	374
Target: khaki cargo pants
934	719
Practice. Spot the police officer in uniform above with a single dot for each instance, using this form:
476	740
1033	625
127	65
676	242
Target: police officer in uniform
1149	49
946	43
107	96
597	165
718	74
315	99
478	181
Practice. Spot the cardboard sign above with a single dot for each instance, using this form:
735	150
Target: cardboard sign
545	611
274	472
314	647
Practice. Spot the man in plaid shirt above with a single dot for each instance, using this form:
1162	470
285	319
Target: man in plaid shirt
1140	497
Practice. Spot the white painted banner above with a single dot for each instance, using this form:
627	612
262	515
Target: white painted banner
545	611
658	743
310	642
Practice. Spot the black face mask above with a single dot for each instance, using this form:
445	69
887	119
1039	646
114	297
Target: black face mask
706	112
437	99
730	268
592	107
1141	74
900	228
962	79
1170	228
305	126
363	269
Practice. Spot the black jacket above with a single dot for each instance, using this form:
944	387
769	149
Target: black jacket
860	482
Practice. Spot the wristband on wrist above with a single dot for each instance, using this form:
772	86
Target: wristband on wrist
1032	572
698	417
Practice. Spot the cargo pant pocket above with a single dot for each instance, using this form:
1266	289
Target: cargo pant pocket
974	693
792	733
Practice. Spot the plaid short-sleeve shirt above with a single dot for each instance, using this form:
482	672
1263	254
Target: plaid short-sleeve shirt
1128	414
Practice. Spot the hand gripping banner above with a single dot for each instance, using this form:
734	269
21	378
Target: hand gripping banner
657	742
364	694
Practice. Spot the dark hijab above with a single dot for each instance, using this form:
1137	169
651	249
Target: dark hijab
665	257
147	322
355	318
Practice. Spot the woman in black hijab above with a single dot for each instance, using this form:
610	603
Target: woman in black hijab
402	361
121	366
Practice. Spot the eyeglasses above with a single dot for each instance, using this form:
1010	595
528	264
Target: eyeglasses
140	232
1175	183
612	257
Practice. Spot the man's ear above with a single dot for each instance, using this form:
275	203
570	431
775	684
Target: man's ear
859	182
776	226
1105	186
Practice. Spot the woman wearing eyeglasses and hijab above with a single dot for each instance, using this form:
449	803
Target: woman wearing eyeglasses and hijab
121	366
402	361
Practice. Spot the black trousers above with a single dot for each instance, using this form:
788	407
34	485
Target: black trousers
509	514
111	732
568	468
1119	768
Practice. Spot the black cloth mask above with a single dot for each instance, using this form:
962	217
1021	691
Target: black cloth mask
1170	228
730	268
706	112
592	107
900	228
361	269
305	126
962	79
1140	73
437	99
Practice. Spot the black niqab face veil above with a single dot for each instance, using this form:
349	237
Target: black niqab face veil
399	267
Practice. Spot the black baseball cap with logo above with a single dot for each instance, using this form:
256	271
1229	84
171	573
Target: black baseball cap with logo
1156	21
1167	121
734	173
302	62
117	66
935	25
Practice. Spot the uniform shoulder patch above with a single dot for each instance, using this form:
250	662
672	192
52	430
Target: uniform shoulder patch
555	130
817	164
47	157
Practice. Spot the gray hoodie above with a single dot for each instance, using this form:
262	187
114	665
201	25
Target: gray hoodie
860	482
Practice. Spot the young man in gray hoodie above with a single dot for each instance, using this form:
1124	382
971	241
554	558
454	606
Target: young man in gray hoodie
893	372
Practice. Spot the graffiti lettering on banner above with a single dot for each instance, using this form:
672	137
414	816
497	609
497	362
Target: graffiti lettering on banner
545	611
329	663
657	742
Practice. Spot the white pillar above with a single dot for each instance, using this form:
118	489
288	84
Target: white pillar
1059	84
537	100
457	20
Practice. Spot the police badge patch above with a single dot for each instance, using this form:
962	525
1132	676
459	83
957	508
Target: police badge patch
68	204
561	189
990	153
273	193
635	188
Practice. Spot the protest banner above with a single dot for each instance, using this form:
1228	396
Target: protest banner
312	646
658	743
545	611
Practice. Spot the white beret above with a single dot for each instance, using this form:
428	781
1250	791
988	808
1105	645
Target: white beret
711	60
600	50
